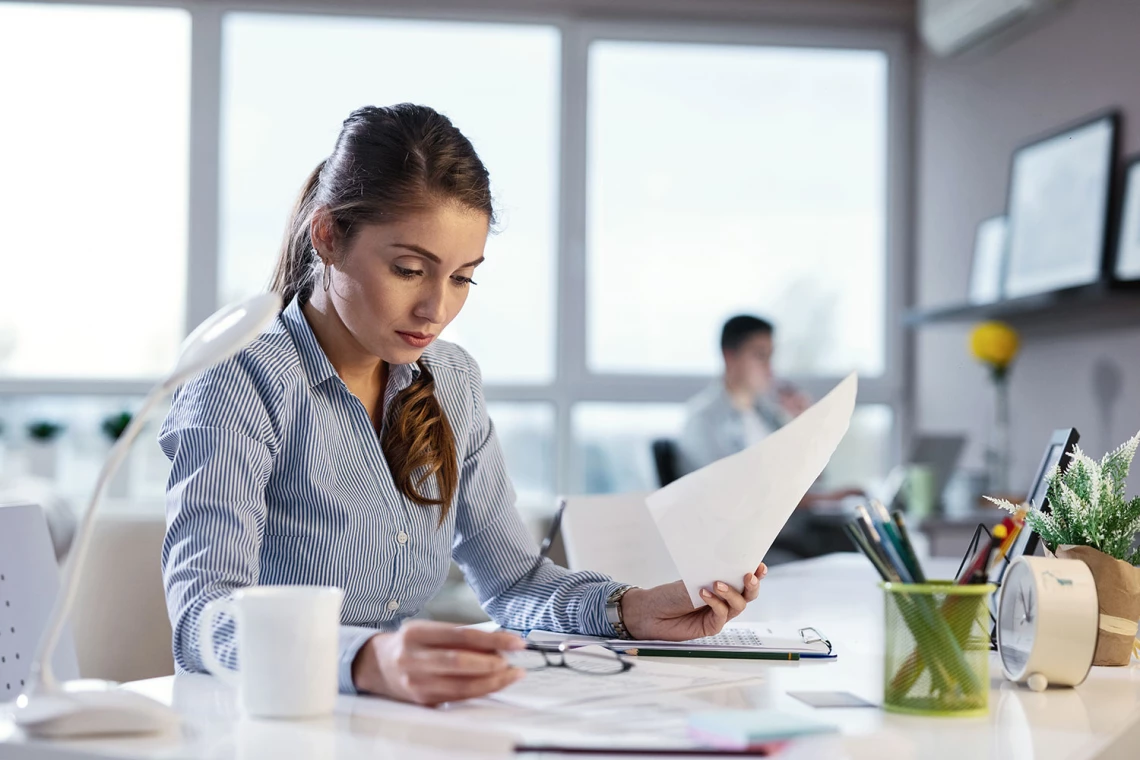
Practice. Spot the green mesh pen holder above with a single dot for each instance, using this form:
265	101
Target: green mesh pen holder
937	648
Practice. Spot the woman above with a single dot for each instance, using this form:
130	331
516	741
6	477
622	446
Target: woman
348	446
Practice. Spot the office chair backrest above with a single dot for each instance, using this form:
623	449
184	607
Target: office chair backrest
614	534
665	458
29	582
120	618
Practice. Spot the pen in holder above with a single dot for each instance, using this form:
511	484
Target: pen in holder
994	563
937	643
972	548
937	648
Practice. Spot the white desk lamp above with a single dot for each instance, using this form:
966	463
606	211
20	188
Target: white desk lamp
48	708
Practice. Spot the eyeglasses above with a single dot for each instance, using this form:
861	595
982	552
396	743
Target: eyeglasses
599	662
811	636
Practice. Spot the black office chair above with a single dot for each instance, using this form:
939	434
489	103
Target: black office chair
665	458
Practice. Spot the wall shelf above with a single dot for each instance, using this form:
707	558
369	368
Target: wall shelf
1098	306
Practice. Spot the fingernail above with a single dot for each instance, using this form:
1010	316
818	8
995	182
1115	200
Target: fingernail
754	581
763	572
721	587
705	592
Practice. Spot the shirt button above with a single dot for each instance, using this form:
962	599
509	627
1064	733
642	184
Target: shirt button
402	537
393	605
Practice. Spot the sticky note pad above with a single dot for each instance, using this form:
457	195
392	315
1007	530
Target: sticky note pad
743	729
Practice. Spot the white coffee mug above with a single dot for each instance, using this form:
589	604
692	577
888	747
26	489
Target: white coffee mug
287	638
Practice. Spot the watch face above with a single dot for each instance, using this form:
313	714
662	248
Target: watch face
1017	619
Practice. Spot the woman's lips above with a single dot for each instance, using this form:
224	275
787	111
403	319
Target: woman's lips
419	340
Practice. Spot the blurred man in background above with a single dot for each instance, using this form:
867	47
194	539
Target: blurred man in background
742	408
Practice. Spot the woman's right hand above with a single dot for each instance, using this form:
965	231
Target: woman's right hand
429	663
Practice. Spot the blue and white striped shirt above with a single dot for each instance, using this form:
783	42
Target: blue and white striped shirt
278	478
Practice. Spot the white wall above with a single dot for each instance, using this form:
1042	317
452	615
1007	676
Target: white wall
972	112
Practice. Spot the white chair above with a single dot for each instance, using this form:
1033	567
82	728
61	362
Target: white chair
29	582
614	534
122	630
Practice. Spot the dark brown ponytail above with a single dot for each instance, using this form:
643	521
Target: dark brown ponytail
417	430
293	273
389	162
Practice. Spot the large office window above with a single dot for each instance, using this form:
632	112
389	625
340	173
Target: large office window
612	444
649	182
727	179
526	433
93	189
289	81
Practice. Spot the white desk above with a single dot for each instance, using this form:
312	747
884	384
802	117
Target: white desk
1101	718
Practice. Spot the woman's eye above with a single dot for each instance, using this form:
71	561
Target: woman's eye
463	281
406	273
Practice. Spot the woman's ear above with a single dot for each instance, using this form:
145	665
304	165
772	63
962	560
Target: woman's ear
322	231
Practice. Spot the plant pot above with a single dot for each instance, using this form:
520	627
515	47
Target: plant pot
1118	589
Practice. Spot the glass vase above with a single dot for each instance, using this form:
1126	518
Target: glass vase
997	449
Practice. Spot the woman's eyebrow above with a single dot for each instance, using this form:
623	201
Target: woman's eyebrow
431	256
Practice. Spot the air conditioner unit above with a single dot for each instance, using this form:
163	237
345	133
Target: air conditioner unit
950	26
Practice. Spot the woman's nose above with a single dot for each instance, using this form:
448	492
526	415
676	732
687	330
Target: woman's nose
433	305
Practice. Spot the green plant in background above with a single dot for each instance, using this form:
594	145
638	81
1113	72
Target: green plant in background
44	430
1089	506
114	425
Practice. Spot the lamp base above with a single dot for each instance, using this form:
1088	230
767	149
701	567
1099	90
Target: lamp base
104	711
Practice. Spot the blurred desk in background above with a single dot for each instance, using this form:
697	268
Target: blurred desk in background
950	536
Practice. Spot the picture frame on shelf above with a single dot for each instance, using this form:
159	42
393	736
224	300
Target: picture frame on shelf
1126	264
1060	205
987	270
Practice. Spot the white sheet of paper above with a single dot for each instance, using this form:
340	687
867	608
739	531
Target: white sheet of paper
613	534
720	521
554	687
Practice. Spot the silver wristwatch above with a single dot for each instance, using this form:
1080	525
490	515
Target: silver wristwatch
614	613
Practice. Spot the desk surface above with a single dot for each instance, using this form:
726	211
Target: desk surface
837	594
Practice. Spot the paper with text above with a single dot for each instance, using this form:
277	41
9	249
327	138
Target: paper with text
553	687
720	521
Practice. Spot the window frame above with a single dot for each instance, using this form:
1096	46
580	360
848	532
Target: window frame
573	381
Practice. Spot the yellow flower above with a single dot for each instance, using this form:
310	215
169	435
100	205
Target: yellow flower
994	343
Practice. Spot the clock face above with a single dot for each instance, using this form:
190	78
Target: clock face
1017	619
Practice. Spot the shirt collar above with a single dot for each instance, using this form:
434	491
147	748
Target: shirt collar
316	364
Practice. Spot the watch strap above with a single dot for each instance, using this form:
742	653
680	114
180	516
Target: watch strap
614	612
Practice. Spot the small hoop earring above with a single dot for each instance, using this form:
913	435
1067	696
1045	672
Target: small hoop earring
326	278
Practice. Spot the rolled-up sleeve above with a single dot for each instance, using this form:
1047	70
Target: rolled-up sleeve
219	437
498	554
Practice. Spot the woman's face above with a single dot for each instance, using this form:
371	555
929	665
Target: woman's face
396	286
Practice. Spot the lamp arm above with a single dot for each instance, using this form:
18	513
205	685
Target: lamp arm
42	678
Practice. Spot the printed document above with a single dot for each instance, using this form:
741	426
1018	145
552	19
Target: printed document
555	686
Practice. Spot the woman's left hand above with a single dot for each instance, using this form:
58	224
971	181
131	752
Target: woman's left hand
666	613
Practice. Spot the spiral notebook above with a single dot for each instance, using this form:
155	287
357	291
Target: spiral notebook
759	640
